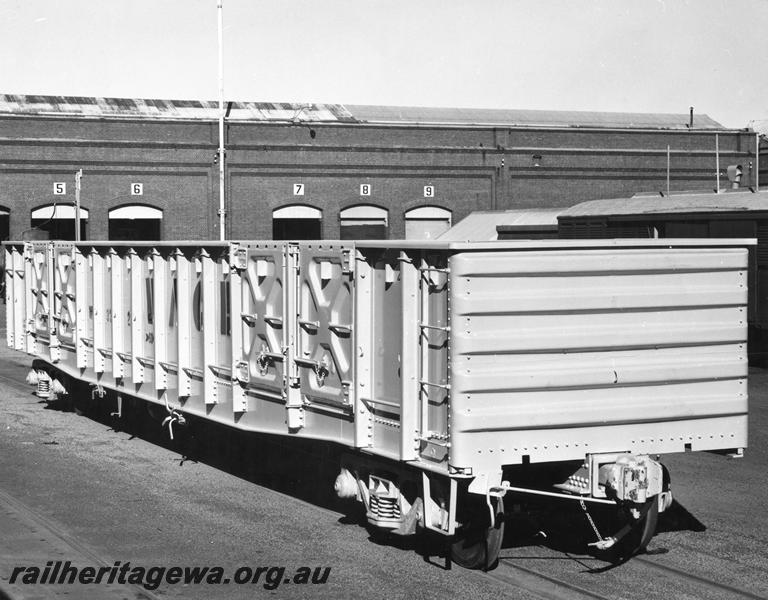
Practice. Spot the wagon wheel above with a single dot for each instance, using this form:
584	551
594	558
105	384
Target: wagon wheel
636	534
641	531
476	545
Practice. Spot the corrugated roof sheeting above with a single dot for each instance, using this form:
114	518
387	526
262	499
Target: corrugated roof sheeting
292	111
704	203
529	118
481	225
169	109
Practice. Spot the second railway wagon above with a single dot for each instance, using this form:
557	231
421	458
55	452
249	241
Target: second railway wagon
454	374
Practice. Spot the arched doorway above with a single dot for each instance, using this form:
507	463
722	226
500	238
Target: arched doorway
135	222
59	221
297	222
426	222
5	223
364	222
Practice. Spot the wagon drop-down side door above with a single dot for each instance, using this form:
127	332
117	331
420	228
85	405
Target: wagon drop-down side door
324	345
258	332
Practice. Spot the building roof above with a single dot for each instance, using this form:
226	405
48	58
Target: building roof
291	111
482	225
169	109
648	205
528	118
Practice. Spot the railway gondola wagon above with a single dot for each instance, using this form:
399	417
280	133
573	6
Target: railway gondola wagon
453	374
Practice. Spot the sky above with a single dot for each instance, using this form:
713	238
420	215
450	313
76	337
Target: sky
657	56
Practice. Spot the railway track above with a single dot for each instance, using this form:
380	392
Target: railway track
39	540
550	587
718	590
541	584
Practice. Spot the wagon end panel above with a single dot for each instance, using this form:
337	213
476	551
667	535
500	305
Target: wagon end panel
564	352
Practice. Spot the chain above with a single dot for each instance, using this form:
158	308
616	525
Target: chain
589	518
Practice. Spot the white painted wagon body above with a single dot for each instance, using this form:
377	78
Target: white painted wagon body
455	359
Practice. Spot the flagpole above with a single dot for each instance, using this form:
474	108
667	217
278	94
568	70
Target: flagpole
222	152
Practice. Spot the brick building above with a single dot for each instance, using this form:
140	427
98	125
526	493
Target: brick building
150	166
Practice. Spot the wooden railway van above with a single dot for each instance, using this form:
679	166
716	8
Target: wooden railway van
454	373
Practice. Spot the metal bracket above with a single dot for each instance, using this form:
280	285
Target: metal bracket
239	257
445	517
119	413
250	319
265	359
436	327
321	368
347	264
241	372
314	325
339	328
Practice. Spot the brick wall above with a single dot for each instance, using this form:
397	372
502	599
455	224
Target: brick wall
469	168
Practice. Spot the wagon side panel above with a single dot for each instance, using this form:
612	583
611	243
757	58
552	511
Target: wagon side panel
379	327
39	299
15	297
